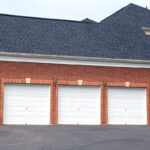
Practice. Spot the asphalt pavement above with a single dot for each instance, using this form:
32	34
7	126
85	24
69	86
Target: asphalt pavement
74	137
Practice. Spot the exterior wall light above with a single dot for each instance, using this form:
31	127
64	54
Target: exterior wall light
104	82
54	80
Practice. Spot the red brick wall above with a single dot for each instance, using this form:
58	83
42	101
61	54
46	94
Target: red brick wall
91	74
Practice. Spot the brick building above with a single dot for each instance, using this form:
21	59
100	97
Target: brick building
76	72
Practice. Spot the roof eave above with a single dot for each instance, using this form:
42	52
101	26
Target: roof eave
76	58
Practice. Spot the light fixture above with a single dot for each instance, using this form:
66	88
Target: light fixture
54	80
104	82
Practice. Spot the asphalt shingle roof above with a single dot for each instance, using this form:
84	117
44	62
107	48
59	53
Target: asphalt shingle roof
118	36
88	20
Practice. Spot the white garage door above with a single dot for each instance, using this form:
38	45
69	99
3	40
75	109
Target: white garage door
79	105
127	106
26	104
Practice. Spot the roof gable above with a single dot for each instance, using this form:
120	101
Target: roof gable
131	15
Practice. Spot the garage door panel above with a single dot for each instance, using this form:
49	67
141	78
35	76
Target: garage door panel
68	107
14	108
87	95
77	104
12	97
67	113
120	122
38	104
68	100
20	109
90	120
87	100
25	102
72	92
15	99
69	120
38	110
126	105
87	113
137	121
42	104
88	108
116	118
42	109
35	121
18	119
116	110
35	113
116	103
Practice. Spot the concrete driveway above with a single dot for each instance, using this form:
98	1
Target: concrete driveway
74	137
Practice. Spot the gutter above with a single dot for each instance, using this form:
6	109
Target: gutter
73	60
79	58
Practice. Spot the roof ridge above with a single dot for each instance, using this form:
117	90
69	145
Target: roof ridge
89	20
40	18
130	4
122	10
113	14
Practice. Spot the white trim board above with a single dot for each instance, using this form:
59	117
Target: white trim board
70	60
146	30
147	33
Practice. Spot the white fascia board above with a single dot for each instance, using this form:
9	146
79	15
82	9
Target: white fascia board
146	30
73	60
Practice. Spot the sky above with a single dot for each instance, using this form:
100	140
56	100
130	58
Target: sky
67	9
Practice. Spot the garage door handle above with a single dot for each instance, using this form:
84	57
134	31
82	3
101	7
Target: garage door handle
26	108
78	109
